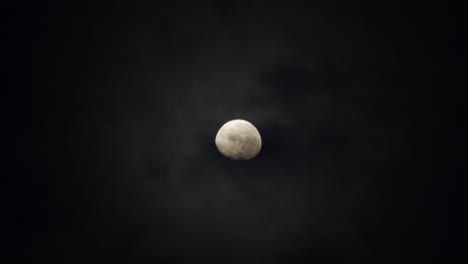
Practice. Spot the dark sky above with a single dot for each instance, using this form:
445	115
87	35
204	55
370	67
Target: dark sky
350	98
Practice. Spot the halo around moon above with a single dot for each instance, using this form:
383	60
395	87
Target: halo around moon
238	140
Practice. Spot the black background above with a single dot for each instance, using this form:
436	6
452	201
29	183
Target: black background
354	101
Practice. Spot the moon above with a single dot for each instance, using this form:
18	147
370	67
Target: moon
238	140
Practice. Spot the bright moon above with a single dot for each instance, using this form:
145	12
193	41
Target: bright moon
238	140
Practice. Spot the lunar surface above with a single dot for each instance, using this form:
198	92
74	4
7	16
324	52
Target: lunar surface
238	140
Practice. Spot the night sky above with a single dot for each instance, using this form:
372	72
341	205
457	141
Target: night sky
351	99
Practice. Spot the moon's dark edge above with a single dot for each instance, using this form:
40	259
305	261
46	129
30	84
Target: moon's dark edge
354	103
